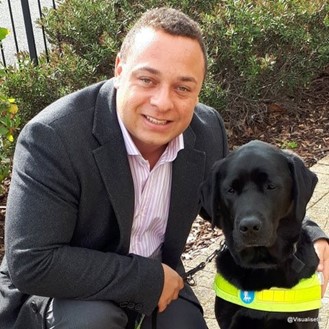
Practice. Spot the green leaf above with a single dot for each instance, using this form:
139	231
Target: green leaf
3	33
3	130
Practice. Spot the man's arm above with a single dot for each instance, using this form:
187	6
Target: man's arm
321	245
42	215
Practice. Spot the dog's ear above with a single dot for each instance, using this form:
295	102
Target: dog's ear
210	194
304	184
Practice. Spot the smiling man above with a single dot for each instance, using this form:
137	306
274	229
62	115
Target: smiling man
105	189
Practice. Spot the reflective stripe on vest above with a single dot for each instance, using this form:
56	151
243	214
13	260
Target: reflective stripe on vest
304	296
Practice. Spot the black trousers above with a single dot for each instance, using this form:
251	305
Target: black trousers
72	314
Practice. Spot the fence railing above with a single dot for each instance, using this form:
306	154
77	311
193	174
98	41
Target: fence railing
14	14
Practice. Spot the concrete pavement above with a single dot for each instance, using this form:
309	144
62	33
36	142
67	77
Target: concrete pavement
318	210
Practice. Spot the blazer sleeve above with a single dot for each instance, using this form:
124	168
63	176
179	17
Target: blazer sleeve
42	212
314	230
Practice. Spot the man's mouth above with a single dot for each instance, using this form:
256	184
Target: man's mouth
156	121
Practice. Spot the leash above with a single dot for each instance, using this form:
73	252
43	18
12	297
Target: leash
188	276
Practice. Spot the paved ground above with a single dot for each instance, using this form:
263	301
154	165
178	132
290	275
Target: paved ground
318	210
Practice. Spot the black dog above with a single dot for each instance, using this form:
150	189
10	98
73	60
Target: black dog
258	195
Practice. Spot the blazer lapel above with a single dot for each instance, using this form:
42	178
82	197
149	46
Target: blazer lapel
112	162
188	173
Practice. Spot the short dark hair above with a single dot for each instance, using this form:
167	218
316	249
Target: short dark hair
169	20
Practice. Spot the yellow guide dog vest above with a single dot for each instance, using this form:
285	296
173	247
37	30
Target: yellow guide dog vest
304	296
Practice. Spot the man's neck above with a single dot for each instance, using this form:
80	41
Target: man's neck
151	154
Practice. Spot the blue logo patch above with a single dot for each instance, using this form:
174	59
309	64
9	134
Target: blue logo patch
247	297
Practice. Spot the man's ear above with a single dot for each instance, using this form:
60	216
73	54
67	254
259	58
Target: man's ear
210	194
117	70
304	184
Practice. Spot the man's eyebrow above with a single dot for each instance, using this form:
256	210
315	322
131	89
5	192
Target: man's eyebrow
188	79
157	72
148	69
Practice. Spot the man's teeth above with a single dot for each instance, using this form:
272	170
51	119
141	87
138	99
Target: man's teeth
156	121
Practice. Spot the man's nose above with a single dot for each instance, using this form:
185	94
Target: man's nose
161	98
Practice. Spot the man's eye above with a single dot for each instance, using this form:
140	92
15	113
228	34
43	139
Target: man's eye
145	81
183	89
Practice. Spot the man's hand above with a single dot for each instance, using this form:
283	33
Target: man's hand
172	285
322	249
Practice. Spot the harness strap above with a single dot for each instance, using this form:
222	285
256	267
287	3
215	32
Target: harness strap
304	296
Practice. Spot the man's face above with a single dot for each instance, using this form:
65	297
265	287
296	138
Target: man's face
157	87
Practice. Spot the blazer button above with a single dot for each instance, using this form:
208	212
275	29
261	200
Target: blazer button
138	307
131	306
123	304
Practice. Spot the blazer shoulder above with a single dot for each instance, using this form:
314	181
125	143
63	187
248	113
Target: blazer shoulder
208	119
72	104
205	114
209	129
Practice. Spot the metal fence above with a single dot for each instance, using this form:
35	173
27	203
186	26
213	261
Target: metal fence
19	17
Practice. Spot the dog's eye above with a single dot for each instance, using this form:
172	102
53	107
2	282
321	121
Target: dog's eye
231	190
270	186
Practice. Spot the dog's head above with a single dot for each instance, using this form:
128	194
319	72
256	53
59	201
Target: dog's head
258	195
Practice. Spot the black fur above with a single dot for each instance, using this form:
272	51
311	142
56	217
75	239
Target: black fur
258	195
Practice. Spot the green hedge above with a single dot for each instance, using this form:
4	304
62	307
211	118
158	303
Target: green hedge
265	51
9	124
260	51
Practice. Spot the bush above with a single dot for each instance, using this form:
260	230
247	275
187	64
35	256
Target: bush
36	86
264	51
259	51
9	123
90	28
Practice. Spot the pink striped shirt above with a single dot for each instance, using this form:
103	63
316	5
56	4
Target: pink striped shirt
152	196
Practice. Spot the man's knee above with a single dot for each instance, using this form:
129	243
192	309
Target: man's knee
74	314
180	314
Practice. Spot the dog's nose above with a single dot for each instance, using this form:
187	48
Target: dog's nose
250	225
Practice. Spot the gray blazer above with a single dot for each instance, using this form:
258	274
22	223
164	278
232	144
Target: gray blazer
71	203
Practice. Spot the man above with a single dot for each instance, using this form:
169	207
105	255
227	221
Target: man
105	189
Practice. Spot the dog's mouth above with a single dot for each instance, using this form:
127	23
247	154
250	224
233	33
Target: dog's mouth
255	257
256	242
